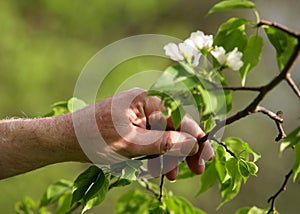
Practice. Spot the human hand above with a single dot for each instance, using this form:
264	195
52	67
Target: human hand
131	125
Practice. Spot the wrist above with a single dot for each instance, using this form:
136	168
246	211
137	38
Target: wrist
58	132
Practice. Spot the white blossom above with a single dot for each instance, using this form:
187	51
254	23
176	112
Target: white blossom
200	41
231	59
234	59
183	52
172	51
220	54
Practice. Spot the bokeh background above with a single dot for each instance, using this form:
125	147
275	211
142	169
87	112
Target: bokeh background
44	45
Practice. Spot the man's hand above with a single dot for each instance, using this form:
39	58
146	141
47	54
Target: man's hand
132	125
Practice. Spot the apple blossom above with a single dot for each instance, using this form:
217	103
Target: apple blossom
231	59
200	41
183	52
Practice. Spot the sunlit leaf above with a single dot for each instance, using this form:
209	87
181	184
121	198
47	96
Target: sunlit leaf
253	169
75	104
283	43
290	140
296	166
64	203
251	55
251	210
232	34
54	191
227	192
176	204
230	5
241	148
175	78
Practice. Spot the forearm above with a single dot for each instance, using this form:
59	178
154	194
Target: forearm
27	144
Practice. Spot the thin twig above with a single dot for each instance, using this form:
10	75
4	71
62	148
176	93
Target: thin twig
292	84
149	187
281	133
280	27
161	187
271	114
283	187
225	147
234	88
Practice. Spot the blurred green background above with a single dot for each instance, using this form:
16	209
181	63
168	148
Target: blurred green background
44	45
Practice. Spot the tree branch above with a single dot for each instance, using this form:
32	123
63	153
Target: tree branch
280	27
293	85
251	108
283	187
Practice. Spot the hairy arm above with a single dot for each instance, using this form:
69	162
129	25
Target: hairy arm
28	144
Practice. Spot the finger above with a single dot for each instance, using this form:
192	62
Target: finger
197	162
150	142
170	167
154	166
189	125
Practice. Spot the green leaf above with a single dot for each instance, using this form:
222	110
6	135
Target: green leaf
243	169
227	192
64	203
231	5
251	56
84	181
95	187
251	210
252	168
232	34
233	171
158	210
241	148
133	202
283	43
184	171
55	191
290	140
98	198
121	182
209	177
220	161
296	165
293	140
175	78
58	108
27	206
75	104
209	122
177	116
176	204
